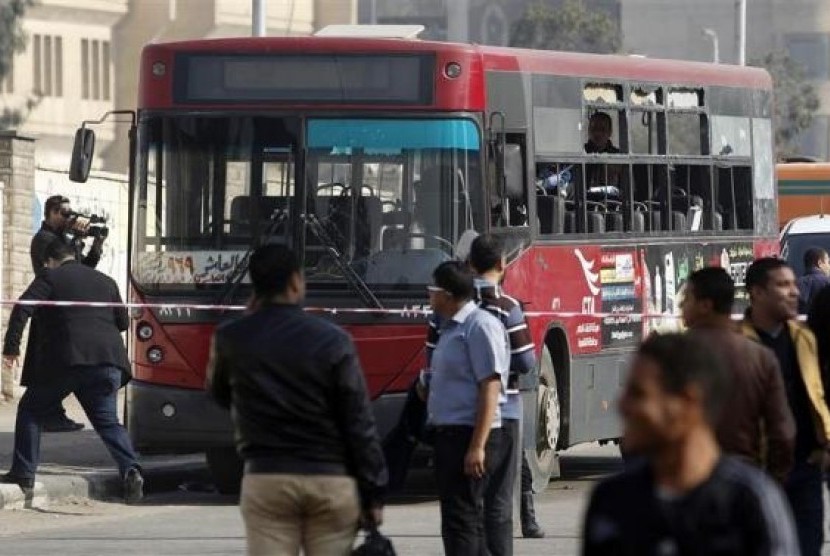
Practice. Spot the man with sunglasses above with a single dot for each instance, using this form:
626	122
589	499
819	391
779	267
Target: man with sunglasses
56	226
468	370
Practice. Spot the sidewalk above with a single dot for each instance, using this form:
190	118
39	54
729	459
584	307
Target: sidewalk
76	464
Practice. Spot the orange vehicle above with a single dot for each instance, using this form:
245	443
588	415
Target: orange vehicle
803	188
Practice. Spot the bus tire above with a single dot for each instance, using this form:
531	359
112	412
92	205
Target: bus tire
542	458
225	467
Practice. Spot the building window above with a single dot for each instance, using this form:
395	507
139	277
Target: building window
7	83
95	69
812	52
84	68
105	73
37	65
47	55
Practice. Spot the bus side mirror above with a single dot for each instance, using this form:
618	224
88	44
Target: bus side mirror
513	172
82	152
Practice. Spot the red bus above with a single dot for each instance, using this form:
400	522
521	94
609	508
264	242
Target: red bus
376	158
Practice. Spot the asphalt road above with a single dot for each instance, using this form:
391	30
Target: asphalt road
188	522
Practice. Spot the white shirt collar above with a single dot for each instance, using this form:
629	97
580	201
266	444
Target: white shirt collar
464	312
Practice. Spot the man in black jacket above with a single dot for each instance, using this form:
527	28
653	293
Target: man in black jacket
313	461
55	226
77	350
685	497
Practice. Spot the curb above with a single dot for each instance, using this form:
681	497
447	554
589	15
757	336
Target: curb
95	485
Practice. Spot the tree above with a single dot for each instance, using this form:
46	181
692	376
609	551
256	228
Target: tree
796	100
12	41
574	26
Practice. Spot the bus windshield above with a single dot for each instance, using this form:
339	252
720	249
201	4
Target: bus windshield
378	200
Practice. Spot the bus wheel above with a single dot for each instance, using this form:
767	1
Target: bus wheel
542	459
226	469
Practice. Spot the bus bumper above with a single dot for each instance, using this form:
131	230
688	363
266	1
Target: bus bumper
171	420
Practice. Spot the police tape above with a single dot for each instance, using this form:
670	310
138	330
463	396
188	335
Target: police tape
401	311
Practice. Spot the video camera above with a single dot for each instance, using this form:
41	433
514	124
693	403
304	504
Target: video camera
83	225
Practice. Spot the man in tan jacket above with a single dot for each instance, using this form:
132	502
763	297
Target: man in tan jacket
770	320
758	425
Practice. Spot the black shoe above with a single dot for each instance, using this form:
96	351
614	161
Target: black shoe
67	425
133	486
22	482
530	529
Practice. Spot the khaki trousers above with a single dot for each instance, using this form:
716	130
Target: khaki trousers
283	513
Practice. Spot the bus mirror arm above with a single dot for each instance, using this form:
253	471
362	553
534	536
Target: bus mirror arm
83	148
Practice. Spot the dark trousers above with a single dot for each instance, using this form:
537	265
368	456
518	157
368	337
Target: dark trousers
498	492
462	497
400	443
97	391
803	488
527	476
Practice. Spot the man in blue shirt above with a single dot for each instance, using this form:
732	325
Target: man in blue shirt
488	261
469	367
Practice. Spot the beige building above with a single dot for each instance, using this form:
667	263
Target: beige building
67	69
799	27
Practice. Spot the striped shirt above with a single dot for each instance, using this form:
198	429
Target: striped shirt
508	310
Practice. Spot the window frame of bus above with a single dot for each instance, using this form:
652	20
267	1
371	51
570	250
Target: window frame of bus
661	159
422	95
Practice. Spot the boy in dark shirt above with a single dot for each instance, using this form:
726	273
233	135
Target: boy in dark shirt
685	497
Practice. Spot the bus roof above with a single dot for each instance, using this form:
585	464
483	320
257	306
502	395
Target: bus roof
503	58
807	171
475	59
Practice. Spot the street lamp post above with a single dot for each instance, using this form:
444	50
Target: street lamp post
712	34
259	18
740	30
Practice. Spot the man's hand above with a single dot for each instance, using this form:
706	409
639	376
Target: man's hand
10	361
372	517
474	462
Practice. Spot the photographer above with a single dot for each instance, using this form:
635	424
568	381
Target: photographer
58	223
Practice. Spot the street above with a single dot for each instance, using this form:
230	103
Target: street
188	522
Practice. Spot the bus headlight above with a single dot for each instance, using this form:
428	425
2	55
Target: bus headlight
452	70
144	331
159	69
154	355
168	410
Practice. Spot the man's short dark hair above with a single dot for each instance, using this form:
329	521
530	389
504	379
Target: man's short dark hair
714	284
685	360
58	250
605	118
54	203
758	272
456	278
486	252
271	268
813	256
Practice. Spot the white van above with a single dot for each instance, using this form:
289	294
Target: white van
799	234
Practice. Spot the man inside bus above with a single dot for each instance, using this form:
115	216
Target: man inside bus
603	179
600	128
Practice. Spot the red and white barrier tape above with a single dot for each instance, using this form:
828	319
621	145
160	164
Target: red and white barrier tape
409	311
